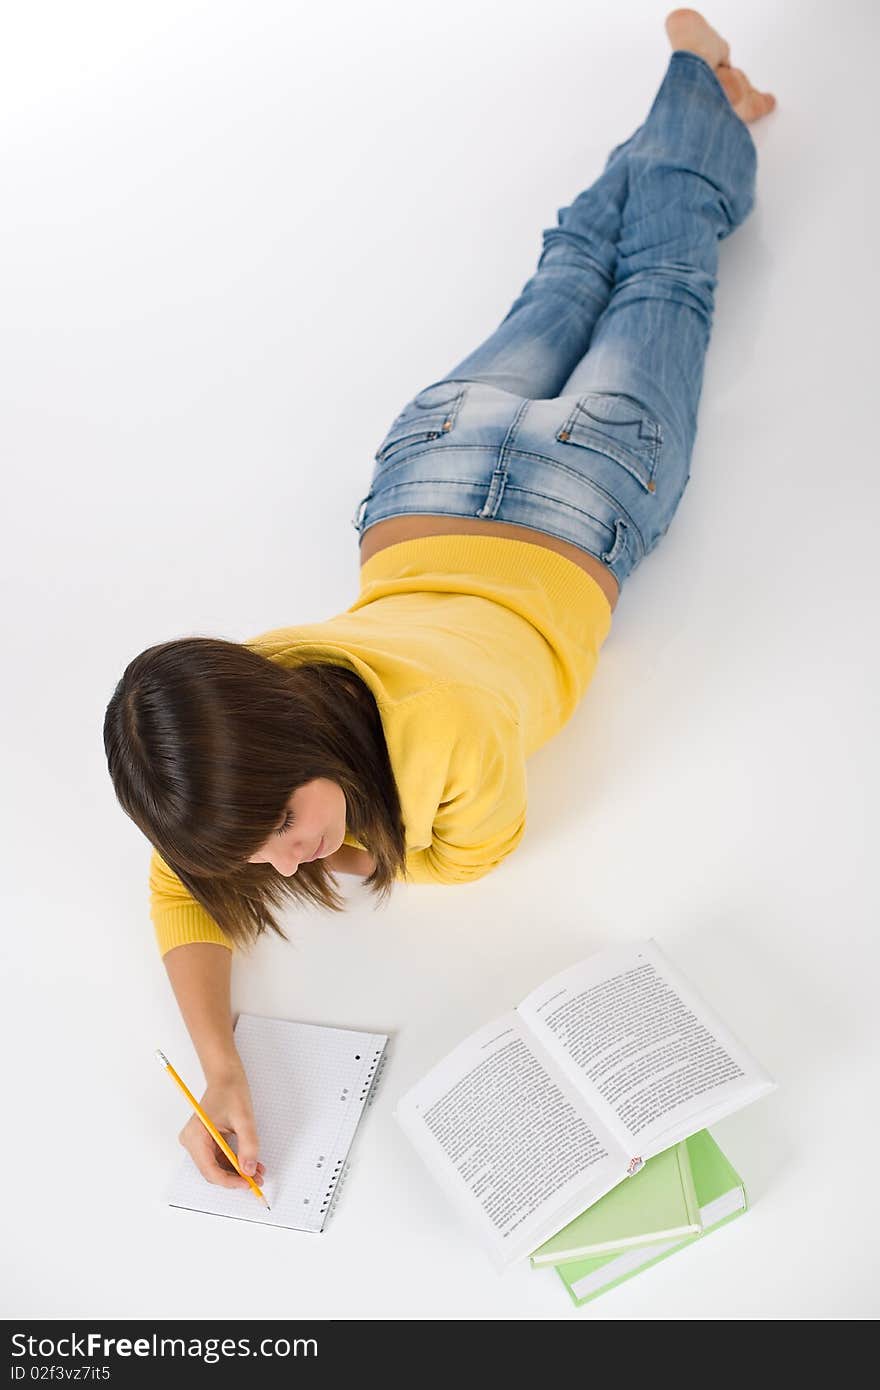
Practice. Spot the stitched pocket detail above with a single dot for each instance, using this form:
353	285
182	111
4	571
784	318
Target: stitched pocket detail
620	427
430	414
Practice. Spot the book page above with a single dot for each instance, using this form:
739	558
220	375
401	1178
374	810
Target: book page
514	1146
640	1044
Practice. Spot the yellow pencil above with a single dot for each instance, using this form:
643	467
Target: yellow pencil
212	1129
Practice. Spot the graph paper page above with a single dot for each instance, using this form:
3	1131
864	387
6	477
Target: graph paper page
309	1085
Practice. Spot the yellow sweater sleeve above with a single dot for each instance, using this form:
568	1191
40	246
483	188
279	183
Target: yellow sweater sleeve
482	816
177	918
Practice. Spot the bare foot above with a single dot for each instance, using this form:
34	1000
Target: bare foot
748	103
688	30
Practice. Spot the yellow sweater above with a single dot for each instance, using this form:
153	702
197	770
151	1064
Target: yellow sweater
477	650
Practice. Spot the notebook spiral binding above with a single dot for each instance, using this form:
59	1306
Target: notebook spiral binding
334	1197
371	1084
341	1170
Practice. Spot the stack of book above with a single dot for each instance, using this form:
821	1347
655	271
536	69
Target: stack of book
573	1131
678	1196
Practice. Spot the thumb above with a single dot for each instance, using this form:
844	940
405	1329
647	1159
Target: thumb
246	1133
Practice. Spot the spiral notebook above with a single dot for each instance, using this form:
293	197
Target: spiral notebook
310	1085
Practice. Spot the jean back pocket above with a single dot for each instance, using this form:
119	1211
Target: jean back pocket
620	427
430	414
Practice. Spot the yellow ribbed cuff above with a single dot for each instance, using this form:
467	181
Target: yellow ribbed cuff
179	926
424	867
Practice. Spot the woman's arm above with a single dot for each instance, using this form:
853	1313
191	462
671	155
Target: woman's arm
200	974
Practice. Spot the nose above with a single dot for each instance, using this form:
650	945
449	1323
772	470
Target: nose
280	865
285	859
285	863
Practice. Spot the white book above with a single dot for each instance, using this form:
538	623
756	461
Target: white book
537	1115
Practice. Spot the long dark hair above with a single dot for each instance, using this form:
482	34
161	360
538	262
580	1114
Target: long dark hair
206	740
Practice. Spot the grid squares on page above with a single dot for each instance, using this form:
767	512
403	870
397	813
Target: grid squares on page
309	1084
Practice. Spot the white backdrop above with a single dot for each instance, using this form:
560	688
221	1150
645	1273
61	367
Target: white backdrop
237	237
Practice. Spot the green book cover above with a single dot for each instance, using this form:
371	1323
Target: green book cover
722	1196
657	1203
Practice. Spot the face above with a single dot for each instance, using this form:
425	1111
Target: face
315	812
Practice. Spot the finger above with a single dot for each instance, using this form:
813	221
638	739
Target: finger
248	1148
203	1153
230	1180
224	1162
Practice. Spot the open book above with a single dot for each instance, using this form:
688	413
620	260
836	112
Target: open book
540	1113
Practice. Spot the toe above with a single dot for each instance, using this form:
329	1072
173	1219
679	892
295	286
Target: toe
755	104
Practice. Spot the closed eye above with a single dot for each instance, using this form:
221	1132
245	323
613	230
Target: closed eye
288	822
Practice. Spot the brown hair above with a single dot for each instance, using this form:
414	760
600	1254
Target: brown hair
206	740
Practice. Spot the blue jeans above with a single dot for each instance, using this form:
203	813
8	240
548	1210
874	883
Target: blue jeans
577	416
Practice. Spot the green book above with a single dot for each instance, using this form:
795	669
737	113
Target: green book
722	1197
657	1203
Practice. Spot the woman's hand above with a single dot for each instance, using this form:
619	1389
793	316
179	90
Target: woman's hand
227	1102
